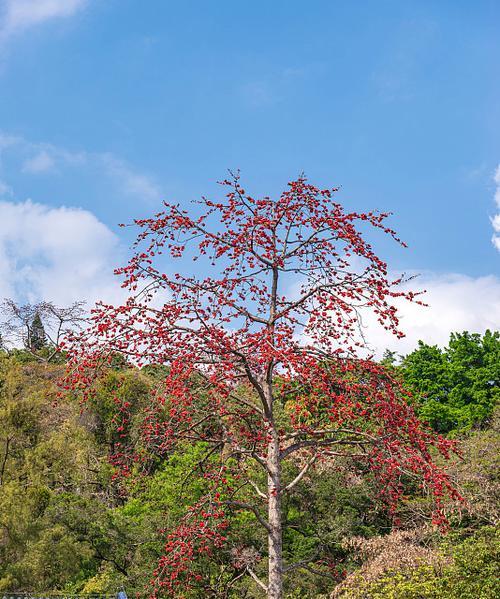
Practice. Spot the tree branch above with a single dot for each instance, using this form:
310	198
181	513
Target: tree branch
247	506
257	579
301	474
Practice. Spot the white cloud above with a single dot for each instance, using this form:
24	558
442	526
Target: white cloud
42	162
19	15
495	221
258	94
273	88
5	190
66	254
7	140
132	182
457	303
56	254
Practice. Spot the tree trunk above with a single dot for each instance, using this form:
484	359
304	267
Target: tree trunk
275	537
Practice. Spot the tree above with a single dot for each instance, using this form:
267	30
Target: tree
261	340
44	453
22	326
456	387
37	339
389	358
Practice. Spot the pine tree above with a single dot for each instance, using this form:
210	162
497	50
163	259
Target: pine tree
38	338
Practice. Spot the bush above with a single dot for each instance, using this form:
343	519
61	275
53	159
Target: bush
473	572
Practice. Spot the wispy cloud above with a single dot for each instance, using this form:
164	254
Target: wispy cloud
273	88
396	74
132	182
36	158
495	221
5	190
257	94
17	16
40	163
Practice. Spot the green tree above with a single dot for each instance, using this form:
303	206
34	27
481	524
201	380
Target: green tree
44	454
37	337
457	387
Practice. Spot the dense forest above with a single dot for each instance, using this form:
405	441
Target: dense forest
68	523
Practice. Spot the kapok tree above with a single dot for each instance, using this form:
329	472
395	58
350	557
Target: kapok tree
264	315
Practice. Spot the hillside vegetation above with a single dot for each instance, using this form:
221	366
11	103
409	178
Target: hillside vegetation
68	523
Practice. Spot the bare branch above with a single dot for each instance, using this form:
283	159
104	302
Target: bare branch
301	474
257	579
247	506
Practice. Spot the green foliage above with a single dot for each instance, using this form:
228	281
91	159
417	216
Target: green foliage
117	388
66	523
473	571
456	388
42	451
38	337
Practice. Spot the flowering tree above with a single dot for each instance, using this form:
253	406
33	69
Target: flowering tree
267	325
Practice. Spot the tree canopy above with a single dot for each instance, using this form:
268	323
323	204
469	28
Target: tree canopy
265	375
456	387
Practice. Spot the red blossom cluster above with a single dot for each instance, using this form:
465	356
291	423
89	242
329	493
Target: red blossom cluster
201	532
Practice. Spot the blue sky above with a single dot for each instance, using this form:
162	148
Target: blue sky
109	105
